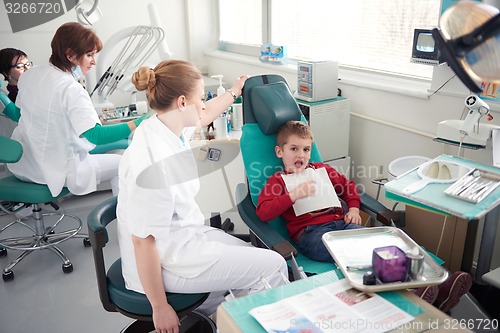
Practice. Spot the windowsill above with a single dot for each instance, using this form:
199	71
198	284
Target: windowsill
347	76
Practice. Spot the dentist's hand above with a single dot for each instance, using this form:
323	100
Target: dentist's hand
166	320
238	85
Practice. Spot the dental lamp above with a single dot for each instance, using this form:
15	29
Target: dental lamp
468	39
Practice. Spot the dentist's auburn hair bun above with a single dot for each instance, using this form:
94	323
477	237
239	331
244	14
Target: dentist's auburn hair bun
144	78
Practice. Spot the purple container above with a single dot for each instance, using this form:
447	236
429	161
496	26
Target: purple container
390	264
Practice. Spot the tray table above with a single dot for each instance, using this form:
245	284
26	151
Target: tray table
354	248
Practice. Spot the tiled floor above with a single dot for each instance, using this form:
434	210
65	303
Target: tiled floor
41	298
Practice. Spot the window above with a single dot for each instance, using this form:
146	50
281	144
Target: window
367	34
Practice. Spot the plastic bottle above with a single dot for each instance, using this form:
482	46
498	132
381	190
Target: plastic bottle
221	124
210	128
220	90
237	115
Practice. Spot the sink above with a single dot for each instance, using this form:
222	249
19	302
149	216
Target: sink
403	164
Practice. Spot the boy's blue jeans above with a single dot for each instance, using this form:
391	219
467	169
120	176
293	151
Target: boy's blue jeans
310	244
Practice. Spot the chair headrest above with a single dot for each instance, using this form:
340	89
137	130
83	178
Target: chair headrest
273	105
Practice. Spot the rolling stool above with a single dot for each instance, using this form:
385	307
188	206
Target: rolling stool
38	235
115	297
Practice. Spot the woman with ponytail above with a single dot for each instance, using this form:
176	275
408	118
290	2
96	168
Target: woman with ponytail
164	242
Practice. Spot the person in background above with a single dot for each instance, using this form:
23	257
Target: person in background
293	146
13	63
59	125
164	242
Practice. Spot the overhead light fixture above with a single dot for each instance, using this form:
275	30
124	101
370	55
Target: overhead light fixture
468	39
88	12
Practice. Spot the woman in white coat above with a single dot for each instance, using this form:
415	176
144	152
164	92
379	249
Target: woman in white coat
59	125
164	242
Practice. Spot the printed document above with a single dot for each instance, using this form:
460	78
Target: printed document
325	196
335	307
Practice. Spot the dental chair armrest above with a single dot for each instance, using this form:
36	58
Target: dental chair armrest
285	249
390	218
370	204
264	232
374	208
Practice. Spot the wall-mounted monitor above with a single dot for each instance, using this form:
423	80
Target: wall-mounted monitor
423	49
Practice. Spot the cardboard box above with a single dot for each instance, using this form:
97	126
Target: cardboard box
445	236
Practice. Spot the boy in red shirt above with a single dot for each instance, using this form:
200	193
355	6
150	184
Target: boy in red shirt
294	143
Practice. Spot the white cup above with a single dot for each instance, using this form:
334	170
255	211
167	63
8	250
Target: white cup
237	117
220	125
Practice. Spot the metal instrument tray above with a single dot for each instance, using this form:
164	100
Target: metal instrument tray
354	248
474	186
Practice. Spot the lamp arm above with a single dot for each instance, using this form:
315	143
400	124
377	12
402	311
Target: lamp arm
94	7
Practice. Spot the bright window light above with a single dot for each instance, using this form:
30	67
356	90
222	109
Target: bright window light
368	34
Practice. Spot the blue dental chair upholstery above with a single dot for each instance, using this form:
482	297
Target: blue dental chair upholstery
115	297
31	233
268	104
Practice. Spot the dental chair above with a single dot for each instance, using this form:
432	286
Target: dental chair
268	104
115	297
40	231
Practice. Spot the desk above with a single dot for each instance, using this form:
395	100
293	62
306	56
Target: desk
233	317
432	197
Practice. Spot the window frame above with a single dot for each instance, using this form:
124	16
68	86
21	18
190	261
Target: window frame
413	85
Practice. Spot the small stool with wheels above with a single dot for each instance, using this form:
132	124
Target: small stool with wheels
33	232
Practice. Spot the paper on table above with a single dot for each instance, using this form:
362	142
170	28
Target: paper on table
325	196
335	307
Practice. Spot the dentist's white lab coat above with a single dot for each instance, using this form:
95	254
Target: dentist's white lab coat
55	111
158	185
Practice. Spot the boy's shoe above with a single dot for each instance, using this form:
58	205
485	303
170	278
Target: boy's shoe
428	294
450	292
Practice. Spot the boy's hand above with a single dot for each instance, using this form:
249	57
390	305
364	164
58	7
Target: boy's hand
353	216
306	189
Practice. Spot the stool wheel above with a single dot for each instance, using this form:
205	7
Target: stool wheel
3	252
86	242
8	276
67	268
